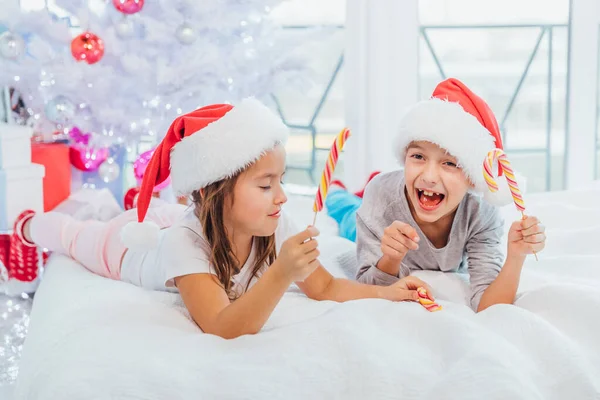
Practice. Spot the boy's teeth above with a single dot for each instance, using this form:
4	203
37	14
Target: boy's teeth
428	193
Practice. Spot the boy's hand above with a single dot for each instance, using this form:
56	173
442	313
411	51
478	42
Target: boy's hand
406	290
398	239
526	237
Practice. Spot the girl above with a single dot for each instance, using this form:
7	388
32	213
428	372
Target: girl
233	255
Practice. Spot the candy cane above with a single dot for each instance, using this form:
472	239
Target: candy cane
332	160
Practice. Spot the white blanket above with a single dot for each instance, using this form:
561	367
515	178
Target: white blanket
92	338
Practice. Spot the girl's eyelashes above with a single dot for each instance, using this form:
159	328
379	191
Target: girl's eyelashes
268	186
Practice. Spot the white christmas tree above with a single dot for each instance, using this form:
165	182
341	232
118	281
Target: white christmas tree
168	58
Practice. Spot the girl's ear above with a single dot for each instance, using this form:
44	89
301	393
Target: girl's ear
202	194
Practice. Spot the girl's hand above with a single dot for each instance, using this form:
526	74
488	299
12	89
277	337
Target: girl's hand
406	290
526	237
398	239
297	258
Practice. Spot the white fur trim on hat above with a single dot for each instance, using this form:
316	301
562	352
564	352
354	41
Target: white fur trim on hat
140	236
503	196
226	146
449	126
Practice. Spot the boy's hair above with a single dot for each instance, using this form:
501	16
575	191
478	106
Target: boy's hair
208	208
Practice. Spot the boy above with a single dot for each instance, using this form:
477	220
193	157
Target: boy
429	216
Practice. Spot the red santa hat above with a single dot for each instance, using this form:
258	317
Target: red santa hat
462	123
205	146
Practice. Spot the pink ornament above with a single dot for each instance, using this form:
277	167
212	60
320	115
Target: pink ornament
128	6
82	156
139	167
87	47
87	159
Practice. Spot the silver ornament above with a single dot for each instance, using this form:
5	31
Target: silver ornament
12	46
109	170
185	34
60	109
124	28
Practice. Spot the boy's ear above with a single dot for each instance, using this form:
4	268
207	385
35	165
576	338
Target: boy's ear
471	184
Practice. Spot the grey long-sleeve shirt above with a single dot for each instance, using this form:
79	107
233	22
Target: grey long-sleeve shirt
473	245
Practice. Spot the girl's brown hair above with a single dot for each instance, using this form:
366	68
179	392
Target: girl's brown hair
209	207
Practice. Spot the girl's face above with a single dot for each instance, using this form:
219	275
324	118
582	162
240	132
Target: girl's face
255	205
435	185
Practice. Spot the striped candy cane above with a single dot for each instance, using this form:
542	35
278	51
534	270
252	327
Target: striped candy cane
498	156
332	160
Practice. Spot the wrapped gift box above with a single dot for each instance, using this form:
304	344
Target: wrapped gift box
57	181
15	146
20	189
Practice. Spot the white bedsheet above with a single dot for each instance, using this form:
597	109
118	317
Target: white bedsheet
94	338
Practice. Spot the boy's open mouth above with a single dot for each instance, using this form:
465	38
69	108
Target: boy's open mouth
429	201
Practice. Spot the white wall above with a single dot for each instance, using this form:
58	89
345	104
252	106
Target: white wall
582	101
381	80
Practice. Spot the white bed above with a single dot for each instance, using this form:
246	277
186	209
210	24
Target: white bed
92	338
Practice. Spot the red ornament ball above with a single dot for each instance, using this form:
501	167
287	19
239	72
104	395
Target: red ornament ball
128	6
87	47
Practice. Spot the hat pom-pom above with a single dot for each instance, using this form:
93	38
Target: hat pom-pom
140	235
503	195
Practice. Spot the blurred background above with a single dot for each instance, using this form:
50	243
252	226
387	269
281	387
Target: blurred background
170	57
513	53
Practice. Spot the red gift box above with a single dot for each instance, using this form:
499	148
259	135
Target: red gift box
57	182
4	249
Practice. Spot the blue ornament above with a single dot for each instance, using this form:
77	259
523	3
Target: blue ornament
60	110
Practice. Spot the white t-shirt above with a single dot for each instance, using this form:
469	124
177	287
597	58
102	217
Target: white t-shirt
183	250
